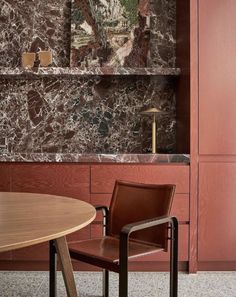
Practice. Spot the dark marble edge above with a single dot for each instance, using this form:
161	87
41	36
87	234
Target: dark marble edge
76	71
96	158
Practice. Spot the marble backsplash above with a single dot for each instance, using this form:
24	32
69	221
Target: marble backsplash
84	114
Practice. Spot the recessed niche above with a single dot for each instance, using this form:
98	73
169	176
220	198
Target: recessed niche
65	110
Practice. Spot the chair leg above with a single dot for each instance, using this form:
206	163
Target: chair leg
52	269
123	263
105	292
174	260
123	282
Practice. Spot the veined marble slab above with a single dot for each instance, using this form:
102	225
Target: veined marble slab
54	110
78	71
137	33
110	32
86	114
28	25
96	158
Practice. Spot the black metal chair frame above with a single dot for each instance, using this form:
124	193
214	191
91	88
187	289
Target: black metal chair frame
123	252
52	269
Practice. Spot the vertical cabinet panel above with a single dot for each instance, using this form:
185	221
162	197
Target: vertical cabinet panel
217	215
217	79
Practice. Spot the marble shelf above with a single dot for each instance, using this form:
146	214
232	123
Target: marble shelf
7	72
95	158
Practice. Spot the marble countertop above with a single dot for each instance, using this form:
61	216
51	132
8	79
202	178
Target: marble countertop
95	158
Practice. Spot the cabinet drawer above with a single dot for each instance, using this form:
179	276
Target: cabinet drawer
103	176
180	207
40	252
5	178
6	256
70	180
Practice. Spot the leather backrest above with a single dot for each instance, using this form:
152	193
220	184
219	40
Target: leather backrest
133	202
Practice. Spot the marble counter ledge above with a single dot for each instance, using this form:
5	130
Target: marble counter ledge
96	158
6	72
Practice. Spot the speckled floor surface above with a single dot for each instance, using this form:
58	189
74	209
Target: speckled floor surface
207	284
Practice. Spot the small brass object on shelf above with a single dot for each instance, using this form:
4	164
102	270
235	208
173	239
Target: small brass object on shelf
27	60
153	111
40	58
45	58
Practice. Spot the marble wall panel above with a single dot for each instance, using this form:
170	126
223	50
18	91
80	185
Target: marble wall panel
163	33
123	33
86	115
27	25
110	33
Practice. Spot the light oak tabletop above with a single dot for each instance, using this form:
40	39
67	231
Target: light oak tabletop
27	218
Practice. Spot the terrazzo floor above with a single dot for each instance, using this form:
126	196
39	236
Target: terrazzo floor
141	284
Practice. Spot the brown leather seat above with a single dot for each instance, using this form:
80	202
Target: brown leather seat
135	225
106	251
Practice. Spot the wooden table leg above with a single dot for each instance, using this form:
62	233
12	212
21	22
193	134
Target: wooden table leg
67	270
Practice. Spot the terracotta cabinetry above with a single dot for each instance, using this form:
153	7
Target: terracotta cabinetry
102	182
217	236
5	178
217	135
58	179
217	64
94	184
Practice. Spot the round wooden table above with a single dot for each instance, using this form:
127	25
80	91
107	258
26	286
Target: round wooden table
28	218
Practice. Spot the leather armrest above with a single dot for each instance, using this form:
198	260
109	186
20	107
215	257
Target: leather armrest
129	228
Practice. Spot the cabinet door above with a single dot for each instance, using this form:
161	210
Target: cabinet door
217	212
217	78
